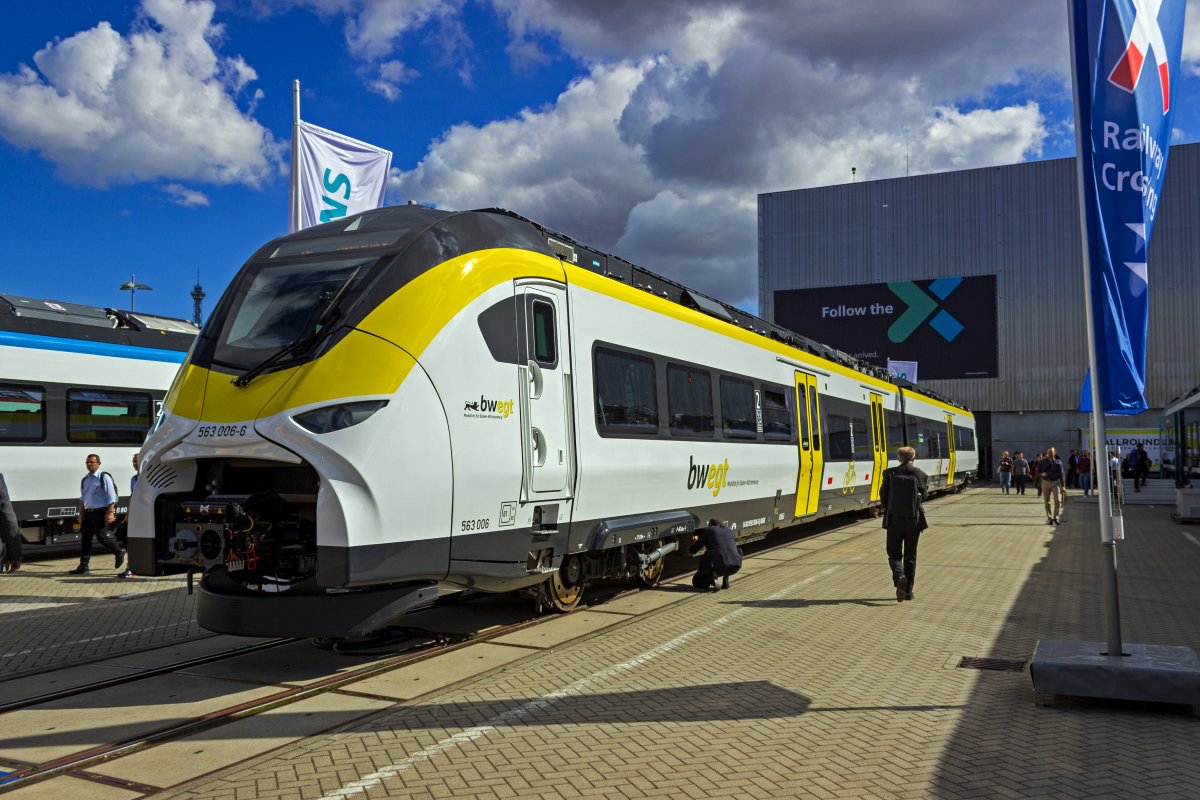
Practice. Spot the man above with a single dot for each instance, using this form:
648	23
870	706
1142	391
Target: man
902	495
1139	461
10	532
721	557
1050	470
97	512
1005	470
122	531
1020	471
1072	470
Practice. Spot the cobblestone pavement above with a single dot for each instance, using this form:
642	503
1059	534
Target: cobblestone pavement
49	619
806	679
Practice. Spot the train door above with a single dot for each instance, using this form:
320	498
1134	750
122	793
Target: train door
812	460
545	391
879	437
951	447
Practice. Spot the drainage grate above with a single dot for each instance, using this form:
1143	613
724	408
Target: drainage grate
998	664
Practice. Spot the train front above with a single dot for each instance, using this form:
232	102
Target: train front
302	461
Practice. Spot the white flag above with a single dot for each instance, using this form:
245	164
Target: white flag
336	176
903	369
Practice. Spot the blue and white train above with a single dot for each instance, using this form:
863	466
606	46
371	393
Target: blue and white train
74	380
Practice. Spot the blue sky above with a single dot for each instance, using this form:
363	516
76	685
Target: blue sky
153	137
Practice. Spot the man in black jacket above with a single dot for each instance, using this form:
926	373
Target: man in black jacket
10	532
1051	472
902	494
721	557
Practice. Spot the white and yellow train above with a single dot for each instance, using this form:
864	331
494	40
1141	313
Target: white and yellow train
410	397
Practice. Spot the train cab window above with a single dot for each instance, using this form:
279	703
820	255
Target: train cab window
626	395
738	418
22	413
689	401
543	339
104	416
777	420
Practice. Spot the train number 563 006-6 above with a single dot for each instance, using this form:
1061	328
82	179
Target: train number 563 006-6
476	524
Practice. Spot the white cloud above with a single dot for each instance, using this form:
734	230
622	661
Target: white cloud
690	108
183	196
157	103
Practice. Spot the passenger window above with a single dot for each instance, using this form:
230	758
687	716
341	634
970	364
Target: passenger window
22	413
544	350
816	421
777	422
626	394
738	420
102	416
689	401
802	413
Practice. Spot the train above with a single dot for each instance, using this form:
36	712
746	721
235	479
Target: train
77	379
413	398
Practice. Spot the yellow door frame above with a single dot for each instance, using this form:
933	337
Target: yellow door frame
879	437
953	451
809	446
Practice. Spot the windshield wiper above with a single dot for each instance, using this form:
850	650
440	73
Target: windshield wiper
306	337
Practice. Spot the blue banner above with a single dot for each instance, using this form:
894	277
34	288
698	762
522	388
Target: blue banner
1126	62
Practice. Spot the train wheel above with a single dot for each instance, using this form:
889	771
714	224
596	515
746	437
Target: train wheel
565	587
650	575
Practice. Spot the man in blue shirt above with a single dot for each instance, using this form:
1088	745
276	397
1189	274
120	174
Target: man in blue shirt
97	512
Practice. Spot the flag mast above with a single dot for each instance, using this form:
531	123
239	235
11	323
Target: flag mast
1112	606
294	210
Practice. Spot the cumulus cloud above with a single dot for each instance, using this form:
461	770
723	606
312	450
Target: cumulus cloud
183	196
157	103
690	108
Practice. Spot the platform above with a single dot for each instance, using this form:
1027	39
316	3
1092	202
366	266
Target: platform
805	679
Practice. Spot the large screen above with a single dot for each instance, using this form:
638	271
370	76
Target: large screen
946	325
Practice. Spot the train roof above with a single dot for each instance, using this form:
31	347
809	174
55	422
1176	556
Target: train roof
64	320
453	232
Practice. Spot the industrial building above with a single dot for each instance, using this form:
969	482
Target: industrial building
977	276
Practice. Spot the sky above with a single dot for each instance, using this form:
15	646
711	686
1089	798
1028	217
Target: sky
152	139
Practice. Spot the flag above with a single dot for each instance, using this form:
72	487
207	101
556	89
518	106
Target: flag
1126	56
335	176
903	369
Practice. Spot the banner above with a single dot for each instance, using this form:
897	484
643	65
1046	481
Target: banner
903	369
1126	62
948	324
336	176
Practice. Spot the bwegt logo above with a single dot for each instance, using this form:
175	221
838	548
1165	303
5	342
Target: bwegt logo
707	476
485	406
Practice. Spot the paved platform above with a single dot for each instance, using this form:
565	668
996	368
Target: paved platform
49	619
805	679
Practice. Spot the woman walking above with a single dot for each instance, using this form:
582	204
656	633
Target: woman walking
1006	471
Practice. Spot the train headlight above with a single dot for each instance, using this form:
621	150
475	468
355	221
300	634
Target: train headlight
334	418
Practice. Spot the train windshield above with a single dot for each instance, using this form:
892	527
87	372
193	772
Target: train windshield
279	306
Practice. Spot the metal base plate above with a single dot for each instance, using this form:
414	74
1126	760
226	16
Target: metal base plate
1148	672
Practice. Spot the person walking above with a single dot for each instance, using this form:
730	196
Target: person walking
10	532
1084	468
721	556
1072	470
902	495
1139	463
122	531
1020	471
1033	473
97	512
1050	471
1006	473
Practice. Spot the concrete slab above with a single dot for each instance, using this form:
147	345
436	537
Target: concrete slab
296	664
58	680
184	759
441	671
67	726
182	651
556	631
646	600
65	786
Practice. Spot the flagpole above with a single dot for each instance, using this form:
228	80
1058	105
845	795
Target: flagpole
1112	606
294	210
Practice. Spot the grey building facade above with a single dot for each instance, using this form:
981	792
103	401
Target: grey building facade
1012	227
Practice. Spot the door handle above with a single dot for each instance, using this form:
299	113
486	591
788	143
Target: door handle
536	381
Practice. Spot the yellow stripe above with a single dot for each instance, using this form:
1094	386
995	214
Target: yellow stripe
949	409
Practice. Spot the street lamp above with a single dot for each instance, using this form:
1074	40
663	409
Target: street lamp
132	286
